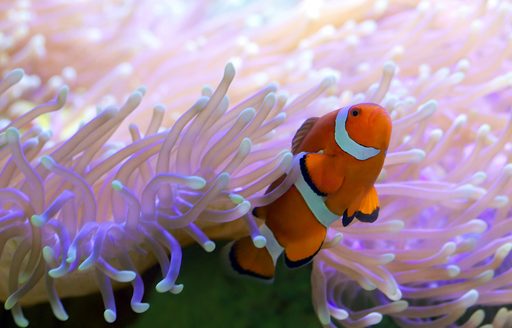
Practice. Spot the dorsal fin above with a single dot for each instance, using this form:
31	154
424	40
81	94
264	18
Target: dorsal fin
302	132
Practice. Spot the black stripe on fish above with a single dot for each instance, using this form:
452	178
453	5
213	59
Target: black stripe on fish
307	177
368	217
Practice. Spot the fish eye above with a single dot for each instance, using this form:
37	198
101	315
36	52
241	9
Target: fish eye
355	112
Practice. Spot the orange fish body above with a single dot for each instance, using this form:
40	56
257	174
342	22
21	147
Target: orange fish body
340	156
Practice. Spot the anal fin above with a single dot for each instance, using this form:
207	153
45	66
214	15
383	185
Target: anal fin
248	260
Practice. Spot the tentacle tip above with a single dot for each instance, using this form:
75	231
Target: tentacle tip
70	259
468	190
126	276
286	159
328	82
201	102
324	318
463	64
135	98
273	86
453	271
399	306
176	289
138	307
3	139
374	318
419	155
86	264
457	77
245	145
15	75
389	67
117	185
479	225
259	241
62	95
21	321
163	286
338	237
430	106
209	246
387	258
48	162
395	295
196	182
339	314
507	170
471	296
24	277
485	276
368	286
61	315
46	135
224	178
108	112
436	134
56	273
109	315
504	250
142	89
281	116
38	220
229	71
160	108
133	127
501	201
449	247
461	120
245	206
12	134
247	115
32	142
207	90
71	255
270	98
236	198
282	98
10	302
48	254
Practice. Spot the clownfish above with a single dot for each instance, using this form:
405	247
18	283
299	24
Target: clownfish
339	157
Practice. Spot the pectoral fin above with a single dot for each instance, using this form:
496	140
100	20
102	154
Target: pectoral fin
369	208
302	252
301	133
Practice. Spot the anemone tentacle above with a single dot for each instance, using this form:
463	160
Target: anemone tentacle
54	209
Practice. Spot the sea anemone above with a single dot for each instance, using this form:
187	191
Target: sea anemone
83	204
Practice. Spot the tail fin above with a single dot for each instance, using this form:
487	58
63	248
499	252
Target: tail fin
246	259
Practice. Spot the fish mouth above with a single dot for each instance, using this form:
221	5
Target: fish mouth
381	124
377	115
